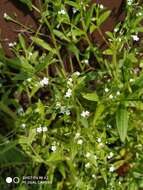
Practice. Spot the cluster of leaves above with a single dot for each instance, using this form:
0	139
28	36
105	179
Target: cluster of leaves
79	123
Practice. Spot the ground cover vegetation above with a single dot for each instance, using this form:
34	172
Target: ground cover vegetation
69	110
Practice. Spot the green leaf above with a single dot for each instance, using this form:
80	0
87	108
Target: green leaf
99	110
11	155
60	35
103	17
7	110
22	42
122	121
91	96
72	48
43	44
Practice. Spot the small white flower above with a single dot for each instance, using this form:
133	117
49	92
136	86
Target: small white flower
87	165
29	79
109	126
39	129
67	112
112	169
20	111
88	154
77	73
118	93
80	142
129	2
101	6
23	125
99	140
106	89
139	14
135	38
68	93
131	80
62	12
12	44
44	129
74	10
53	148
101	145
44	81
5	15
69	82
94	176
115	29
110	155
85	114
77	135
85	61
111	96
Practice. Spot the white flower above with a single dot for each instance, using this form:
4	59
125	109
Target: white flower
44	81
77	135
20	111
70	82
131	80
101	145
115	29
88	154
44	129
118	93
106	89
99	140
77	73
101	6
62	12
53	148
110	155
12	44
29	79
67	112
39	129
139	14
112	169
80	142
129	2
94	176
5	15
85	114
111	96
135	38
87	165
68	93
23	125
85	61
109	126
74	10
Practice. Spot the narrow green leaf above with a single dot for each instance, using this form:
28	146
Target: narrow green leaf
97	115
122	122
43	44
91	96
103	17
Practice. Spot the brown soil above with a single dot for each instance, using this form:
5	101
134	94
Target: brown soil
9	30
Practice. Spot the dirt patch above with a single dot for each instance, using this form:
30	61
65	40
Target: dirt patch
9	30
